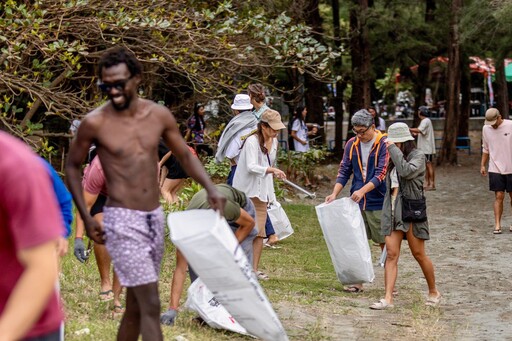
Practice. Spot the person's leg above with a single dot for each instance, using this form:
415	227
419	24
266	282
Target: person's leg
103	263
499	197
178	280
269	231
145	306
165	190
393	244
417	247
174	187
261	218
429	176
117	289
129	329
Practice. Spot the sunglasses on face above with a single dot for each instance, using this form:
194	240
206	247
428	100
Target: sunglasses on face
360	132
118	85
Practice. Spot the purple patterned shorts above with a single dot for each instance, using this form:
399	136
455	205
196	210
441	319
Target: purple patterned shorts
135	242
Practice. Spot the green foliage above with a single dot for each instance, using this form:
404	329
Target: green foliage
184	197
299	161
188	48
216	170
387	84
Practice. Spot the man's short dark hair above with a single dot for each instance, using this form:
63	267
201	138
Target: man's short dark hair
119	55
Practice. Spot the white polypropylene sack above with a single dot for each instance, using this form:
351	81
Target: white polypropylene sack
211	249
280	221
202	301
345	235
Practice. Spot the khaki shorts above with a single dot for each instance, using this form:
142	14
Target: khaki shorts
372	224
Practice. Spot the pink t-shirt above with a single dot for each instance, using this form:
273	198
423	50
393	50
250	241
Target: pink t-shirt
498	144
29	216
94	179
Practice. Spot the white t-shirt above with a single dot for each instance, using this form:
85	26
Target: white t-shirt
366	147
426	139
302	134
251	173
498	144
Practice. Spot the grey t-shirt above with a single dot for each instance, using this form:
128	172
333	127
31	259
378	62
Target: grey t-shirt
426	140
366	147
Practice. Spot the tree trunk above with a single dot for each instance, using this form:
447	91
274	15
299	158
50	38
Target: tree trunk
501	87
314	88
340	86
465	89
449	146
360	56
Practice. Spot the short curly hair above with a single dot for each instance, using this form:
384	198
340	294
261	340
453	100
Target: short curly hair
119	55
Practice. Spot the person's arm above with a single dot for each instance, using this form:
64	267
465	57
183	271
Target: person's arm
246	224
335	191
77	153
483	163
296	138
188	161
406	169
36	284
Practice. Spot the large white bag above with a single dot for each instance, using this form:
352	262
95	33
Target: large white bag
280	221
345	235
202	301
211	249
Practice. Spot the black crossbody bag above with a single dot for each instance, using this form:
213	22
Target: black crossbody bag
413	210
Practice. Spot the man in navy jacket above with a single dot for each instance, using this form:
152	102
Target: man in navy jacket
365	158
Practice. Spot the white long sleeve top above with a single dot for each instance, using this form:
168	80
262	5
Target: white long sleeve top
251	173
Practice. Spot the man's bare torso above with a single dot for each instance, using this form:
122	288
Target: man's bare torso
127	147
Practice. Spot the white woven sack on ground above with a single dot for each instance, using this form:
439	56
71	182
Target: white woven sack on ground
345	234
280	221
202	301
211	249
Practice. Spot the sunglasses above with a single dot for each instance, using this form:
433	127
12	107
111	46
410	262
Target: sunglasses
360	132
119	85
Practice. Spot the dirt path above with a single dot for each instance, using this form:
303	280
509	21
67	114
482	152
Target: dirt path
473	270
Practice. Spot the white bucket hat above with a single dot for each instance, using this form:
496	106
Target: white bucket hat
242	102
399	132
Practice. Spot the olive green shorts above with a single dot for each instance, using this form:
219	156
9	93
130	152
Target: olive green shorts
372	224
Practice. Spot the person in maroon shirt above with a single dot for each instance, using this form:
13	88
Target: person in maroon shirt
30	228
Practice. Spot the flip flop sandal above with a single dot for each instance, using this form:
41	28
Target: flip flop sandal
353	290
106	296
262	276
497	231
118	311
433	301
382	305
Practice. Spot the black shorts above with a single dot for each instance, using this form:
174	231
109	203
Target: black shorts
97	207
429	157
500	182
175	170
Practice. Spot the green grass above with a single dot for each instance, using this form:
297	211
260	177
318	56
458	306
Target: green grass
301	272
302	280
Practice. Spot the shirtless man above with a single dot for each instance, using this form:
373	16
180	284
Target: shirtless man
126	131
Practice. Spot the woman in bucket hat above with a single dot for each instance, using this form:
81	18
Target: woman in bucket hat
407	163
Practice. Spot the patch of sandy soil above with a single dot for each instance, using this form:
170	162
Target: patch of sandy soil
473	271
